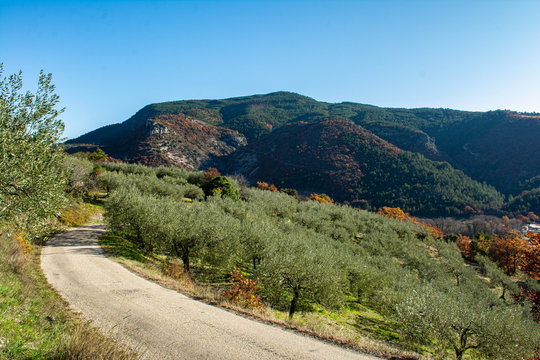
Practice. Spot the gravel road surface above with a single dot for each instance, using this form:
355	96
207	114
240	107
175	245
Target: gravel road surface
162	323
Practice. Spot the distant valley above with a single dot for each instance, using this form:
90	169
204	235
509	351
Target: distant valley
430	162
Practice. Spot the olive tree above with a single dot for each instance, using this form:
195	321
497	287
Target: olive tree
300	266
131	213
497	276
32	178
464	318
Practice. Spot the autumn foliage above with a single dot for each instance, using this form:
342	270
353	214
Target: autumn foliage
395	213
531	256
508	251
210	174
322	198
264	186
398	214
465	245
511	251
243	291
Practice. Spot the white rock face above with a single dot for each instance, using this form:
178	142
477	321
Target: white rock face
156	128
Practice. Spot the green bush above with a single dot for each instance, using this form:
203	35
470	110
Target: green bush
222	187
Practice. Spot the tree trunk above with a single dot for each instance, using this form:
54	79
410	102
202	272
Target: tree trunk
254	263
463	344
185	260
293	302
138	235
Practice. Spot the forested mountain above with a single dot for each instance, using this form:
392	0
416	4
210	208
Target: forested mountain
399	157
343	159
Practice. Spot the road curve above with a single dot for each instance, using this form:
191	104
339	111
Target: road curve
162	323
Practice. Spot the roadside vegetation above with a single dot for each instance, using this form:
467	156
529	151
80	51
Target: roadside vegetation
343	273
41	193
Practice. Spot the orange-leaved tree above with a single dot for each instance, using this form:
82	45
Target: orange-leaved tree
508	250
322	198
261	185
531	256
398	214
465	245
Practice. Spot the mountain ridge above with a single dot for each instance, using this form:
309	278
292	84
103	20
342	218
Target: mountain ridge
496	147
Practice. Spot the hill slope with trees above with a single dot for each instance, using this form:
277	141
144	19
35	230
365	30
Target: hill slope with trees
351	164
495	147
390	276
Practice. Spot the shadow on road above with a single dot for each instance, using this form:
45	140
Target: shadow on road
80	240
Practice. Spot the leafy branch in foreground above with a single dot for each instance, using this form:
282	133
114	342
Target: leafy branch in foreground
32	179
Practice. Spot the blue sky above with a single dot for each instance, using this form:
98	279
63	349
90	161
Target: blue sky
110	58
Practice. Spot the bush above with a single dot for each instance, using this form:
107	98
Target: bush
243	291
222	187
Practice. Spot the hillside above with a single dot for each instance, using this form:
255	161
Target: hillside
353	165
165	139
376	282
496	147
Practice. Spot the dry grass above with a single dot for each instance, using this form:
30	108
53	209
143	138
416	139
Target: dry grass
86	343
14	256
79	214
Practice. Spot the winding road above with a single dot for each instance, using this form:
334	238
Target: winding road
162	323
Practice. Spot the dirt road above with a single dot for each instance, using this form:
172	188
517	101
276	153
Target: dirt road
164	323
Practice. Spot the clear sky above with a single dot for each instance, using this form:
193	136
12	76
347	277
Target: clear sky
110	58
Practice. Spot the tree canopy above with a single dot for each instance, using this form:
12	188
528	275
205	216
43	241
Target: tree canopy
32	178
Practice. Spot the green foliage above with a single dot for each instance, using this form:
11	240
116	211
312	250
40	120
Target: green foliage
299	266
310	254
527	201
464	319
290	192
150	184
497	276
82	180
222	187
98	155
32	178
173	227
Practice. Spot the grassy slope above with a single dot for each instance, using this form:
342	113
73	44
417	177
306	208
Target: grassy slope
35	322
355	325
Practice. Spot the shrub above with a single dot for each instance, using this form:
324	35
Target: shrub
322	198
222	187
243	291
290	192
